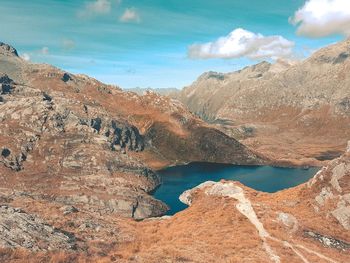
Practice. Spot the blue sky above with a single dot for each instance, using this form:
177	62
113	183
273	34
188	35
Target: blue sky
144	42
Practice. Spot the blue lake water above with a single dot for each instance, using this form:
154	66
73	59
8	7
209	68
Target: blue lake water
180	178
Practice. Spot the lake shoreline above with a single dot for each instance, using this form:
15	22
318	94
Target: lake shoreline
269	179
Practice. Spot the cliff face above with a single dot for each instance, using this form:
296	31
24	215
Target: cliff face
291	112
73	140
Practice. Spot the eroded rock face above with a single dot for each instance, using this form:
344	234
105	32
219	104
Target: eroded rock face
21	230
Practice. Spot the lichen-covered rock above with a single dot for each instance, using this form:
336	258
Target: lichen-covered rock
21	230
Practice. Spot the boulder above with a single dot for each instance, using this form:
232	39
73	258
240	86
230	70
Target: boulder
19	229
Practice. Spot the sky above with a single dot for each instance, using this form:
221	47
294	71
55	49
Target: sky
168	43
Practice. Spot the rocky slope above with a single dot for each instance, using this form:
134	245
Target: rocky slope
72	140
293	112
226	222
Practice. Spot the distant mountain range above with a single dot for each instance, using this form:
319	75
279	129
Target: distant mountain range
292	112
161	91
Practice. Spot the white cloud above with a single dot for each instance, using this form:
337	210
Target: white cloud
130	15
319	18
44	51
25	56
243	43
97	7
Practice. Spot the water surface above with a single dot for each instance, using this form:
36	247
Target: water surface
180	178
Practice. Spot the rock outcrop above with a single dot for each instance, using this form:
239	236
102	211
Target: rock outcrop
21	230
6	84
7	50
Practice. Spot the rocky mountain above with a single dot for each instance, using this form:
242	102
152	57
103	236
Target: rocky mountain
76	160
295	113
73	141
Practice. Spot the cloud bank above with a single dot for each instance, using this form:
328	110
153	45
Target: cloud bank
130	15
319	18
243	43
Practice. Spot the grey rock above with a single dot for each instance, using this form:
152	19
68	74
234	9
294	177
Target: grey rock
6	49
69	209
66	77
6	84
21	230
328	241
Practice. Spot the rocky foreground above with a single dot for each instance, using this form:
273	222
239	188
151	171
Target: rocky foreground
297	113
226	222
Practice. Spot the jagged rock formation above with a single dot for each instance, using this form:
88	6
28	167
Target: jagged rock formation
295	113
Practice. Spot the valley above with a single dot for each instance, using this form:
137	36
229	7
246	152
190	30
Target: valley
79	162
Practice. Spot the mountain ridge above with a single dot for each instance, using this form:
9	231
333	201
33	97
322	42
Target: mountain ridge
265	108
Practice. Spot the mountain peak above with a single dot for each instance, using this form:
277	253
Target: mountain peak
333	54
212	75
7	50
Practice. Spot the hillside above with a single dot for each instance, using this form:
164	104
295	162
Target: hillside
296	113
75	141
226	222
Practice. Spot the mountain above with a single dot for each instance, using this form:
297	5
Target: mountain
294	113
76	160
72	140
